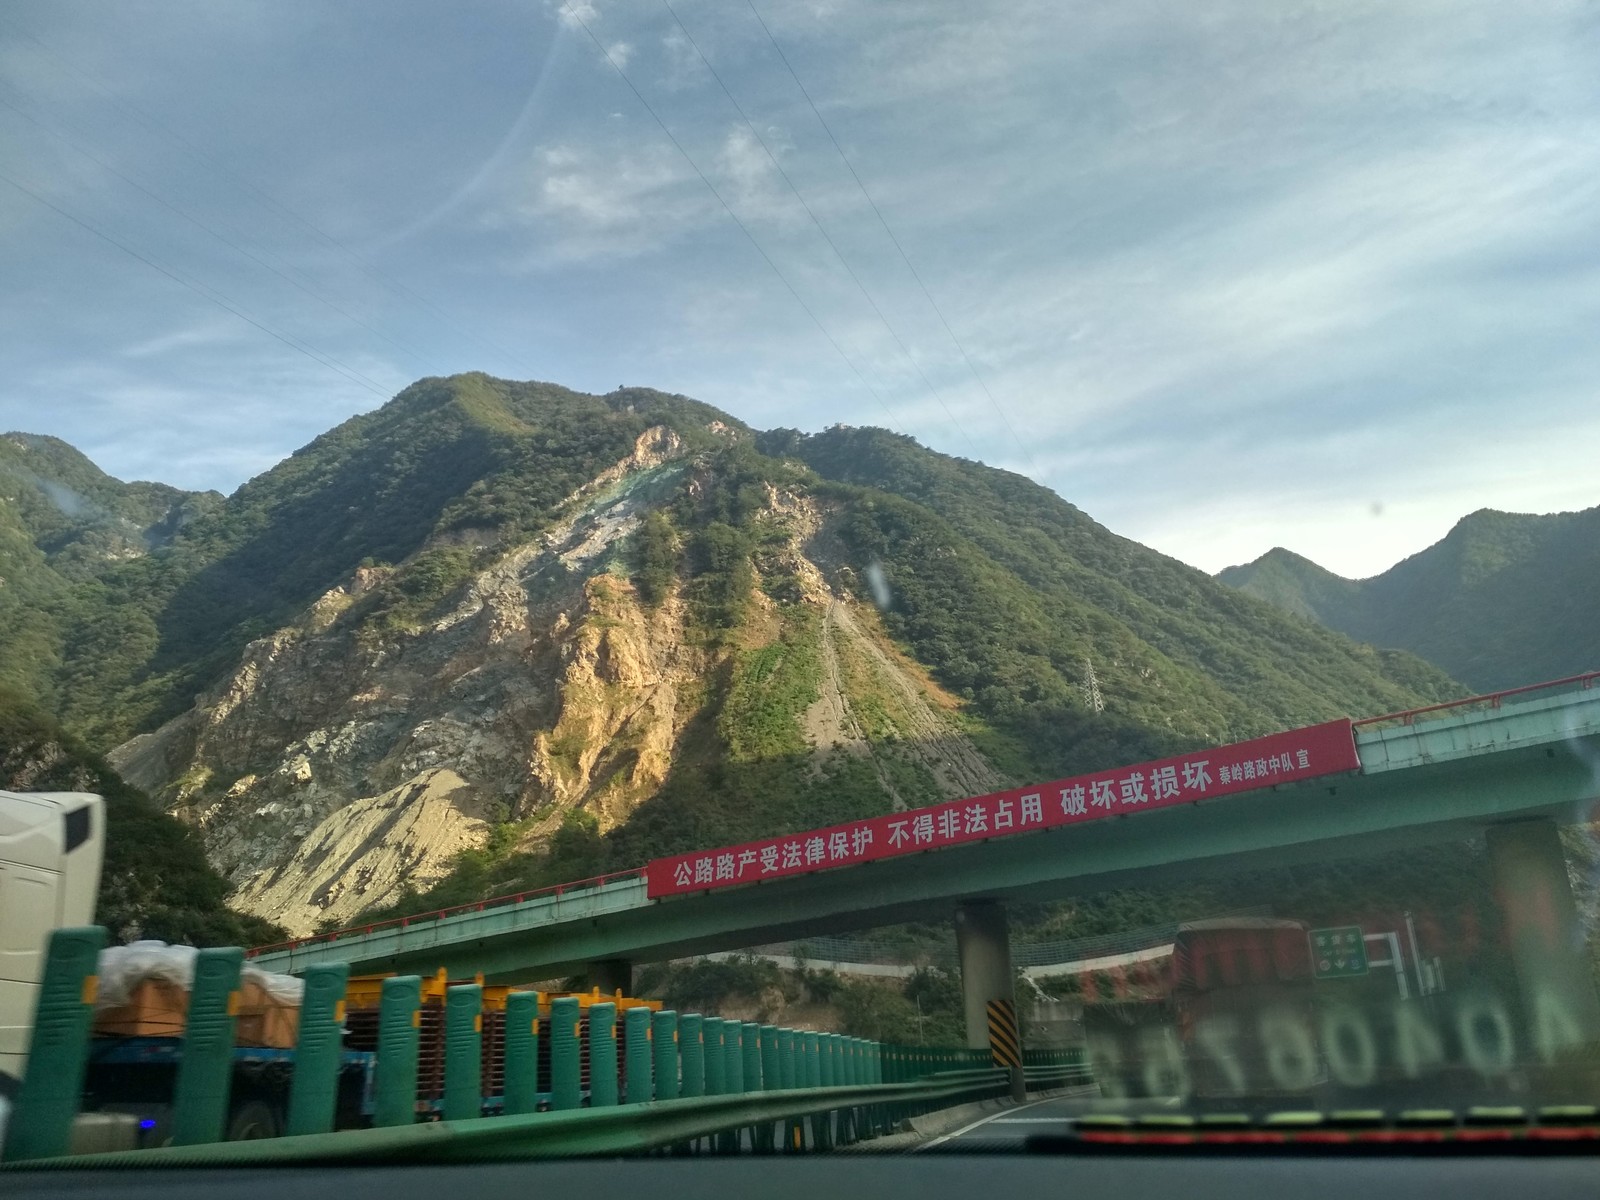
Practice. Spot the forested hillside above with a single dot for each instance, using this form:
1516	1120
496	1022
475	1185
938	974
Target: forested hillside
155	882
1503	600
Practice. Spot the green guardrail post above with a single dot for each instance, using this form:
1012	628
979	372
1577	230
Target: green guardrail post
789	1078
399	1021
771	1073
809	1069
751	1066
750	1069
844	1122
205	1072
602	1055
314	1086
825	1048
664	1034
522	1053
767	1048
692	1048
463	1052
711	1029
733	1063
729	1142
640	1086
41	1125
786	1077
566	1079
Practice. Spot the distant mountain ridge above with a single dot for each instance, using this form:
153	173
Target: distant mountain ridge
495	634
1504	599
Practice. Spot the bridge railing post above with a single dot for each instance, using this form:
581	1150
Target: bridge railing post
771	1081
640	1086
522	1053
205	1072
41	1126
691	1044
314	1086
664	1034
786	1075
463	1052
602	1055
566	1081
715	1059
399	1009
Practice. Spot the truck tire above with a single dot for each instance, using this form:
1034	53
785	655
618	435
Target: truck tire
252	1118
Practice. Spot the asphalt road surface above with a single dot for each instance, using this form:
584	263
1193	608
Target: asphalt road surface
1010	1127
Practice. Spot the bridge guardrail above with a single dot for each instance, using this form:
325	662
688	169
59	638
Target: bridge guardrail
557	889
1584	682
664	1081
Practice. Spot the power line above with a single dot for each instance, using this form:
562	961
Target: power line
216	298
727	208
854	278
206	160
905	258
201	225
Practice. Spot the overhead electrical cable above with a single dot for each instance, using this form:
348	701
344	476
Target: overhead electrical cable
899	249
77	145
854	278
209	162
727	208
210	294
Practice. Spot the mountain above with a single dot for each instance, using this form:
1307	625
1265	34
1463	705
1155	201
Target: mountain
498	634
1504	599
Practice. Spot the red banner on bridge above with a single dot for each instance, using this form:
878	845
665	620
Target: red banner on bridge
1204	774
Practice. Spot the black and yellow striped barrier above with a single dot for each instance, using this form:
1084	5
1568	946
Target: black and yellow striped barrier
1005	1046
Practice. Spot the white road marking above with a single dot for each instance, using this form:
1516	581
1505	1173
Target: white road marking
1030	1120
938	1141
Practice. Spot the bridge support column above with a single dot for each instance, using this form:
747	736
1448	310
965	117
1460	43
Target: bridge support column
983	945
610	975
1547	944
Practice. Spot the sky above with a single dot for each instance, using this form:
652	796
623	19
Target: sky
1226	276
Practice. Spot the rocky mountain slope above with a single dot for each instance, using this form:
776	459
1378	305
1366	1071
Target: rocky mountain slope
1504	599
497	634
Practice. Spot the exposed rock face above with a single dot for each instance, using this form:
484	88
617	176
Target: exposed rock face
369	851
331	769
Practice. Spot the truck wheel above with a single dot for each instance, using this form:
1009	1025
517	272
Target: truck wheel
250	1120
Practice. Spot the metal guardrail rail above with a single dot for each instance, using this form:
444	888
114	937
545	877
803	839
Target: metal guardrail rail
477	906
626	1129
664	1080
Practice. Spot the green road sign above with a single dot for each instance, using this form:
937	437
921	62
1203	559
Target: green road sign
1338	953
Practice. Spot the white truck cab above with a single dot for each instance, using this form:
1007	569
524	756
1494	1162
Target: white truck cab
51	848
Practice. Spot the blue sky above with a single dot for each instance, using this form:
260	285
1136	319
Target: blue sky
1226	276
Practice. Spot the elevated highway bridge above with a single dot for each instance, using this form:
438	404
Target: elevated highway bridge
1515	765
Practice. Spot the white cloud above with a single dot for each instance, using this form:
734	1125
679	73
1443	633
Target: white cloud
1234	274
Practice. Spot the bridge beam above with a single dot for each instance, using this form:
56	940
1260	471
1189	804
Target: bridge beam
983	945
610	975
1541	924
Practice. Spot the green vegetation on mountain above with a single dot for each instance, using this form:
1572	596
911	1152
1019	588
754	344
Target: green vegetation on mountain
1504	599
155	882
469	457
1051	645
63	521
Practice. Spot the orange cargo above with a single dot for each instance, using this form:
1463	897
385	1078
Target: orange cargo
155	1008
263	1021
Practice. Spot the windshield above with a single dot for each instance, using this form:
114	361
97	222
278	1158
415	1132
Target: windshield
1034	554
